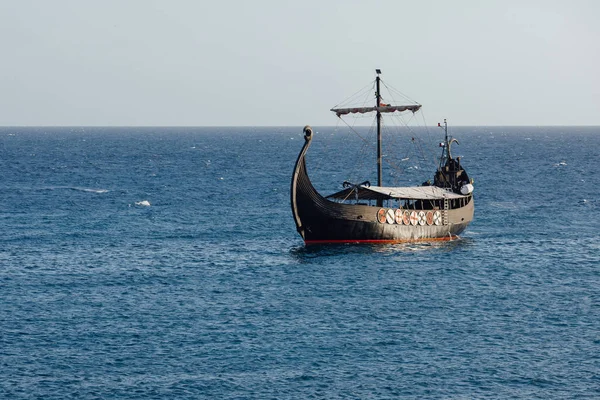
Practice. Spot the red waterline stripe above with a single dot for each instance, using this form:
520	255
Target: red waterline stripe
382	241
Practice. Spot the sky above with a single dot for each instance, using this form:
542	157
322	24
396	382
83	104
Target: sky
286	63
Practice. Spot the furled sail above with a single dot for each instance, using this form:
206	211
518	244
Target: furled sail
382	109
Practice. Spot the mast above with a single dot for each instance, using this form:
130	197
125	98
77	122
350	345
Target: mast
380	109
446	138
445	145
377	105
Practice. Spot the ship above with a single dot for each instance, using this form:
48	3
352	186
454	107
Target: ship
437	210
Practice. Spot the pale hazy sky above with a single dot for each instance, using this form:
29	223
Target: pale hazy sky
263	62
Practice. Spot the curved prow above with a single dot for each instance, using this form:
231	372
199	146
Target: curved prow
300	169
450	144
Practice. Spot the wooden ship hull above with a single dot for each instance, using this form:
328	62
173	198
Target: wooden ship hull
428	214
361	213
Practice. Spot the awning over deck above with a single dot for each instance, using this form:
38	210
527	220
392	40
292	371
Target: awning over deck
404	193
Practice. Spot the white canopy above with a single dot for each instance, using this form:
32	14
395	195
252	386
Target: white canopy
416	192
405	193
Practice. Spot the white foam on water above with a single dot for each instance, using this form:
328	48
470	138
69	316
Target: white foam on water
76	188
92	190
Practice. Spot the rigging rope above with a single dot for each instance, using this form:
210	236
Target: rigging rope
369	86
417	150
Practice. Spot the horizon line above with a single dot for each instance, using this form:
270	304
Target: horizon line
277	126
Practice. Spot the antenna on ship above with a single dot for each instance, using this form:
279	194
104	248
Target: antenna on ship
445	145
446	130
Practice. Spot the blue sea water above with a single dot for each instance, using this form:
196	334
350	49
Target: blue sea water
147	263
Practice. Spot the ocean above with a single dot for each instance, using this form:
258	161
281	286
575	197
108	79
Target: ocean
163	263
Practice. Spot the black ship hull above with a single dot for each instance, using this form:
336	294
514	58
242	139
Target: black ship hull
320	220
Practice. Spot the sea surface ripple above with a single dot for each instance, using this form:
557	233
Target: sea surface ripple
152	263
